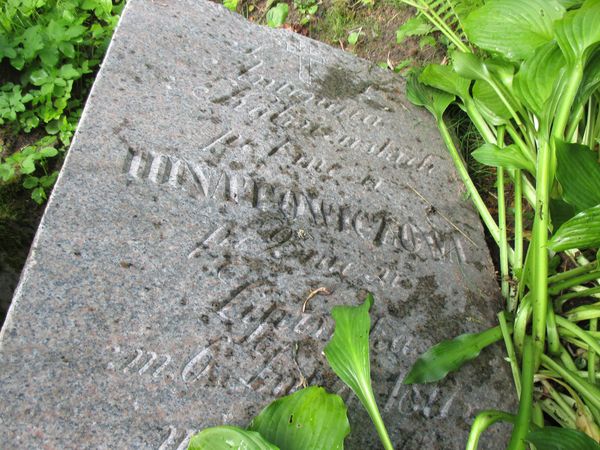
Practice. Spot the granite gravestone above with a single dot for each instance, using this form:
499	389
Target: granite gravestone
221	173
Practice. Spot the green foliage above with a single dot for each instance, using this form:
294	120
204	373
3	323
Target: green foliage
535	82
448	356
434	100
469	66
513	28
231	5
577	33
307	10
12	101
348	350
573	161
228	438
555	438
444	79
353	37
417	26
509	157
310	418
277	14
348	355
528	79
435	17
25	162
580	232
427	41
444	16
488	103
53	48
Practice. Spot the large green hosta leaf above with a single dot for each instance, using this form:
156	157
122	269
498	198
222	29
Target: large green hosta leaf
513	28
582	231
348	355
555	438
579	31
578	172
434	100
489	104
229	438
348	350
308	419
590	82
448	356
445	79
508	157
470	66
535	82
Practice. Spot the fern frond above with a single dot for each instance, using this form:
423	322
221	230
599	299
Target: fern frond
442	15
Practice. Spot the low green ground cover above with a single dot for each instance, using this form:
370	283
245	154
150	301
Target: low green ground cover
49	52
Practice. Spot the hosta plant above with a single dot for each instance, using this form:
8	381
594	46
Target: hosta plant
527	74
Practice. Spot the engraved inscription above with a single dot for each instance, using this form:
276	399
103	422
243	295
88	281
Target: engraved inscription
177	439
410	399
217	236
148	362
307	59
254	106
238	92
202	182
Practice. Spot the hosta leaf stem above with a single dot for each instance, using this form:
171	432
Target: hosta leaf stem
482	422
540	250
551	408
487	218
490	137
503	244
580	333
517	438
580	270
518	260
592	355
526	149
567	410
566	101
510	350
589	391
555	288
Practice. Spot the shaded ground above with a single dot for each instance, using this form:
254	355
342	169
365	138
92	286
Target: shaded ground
335	20
332	23
19	218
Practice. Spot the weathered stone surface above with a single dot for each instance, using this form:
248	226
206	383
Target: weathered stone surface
222	172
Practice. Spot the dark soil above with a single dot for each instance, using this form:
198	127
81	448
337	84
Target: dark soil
19	218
